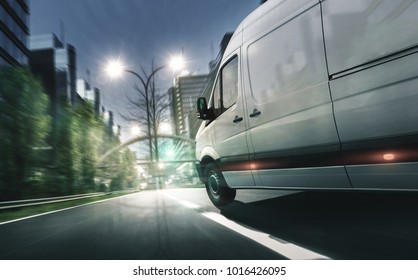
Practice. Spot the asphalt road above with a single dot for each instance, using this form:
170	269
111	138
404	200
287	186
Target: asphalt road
178	224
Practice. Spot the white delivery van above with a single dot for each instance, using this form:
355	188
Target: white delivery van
314	94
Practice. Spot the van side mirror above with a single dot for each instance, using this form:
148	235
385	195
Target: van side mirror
203	113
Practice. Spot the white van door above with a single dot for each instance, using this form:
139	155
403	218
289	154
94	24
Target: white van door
372	53
290	111
229	126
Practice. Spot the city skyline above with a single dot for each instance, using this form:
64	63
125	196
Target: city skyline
137	33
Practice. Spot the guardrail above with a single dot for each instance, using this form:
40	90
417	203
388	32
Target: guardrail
47	200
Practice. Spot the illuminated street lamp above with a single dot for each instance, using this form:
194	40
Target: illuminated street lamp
177	63
115	69
135	130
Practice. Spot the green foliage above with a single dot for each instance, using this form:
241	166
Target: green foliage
24	125
44	156
79	140
124	175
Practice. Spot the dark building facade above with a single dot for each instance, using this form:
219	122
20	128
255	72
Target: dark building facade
183	98
55	65
85	91
14	32
193	122
186	92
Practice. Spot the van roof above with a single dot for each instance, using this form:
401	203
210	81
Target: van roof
236	39
249	27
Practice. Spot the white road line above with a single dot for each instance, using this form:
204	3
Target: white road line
288	250
284	248
46	202
189	204
59	210
185	203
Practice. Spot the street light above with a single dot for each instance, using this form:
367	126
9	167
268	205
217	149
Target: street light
135	130
177	63
115	69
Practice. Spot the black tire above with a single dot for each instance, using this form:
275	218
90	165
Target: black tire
218	191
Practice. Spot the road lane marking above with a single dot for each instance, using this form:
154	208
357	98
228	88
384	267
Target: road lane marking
46	202
59	210
284	248
185	203
189	204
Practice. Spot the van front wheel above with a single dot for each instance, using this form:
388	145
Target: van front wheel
218	191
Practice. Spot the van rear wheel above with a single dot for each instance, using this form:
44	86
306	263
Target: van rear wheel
218	191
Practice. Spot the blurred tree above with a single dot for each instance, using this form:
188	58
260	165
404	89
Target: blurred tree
63	177
149	108
79	141
24	125
123	172
90	139
32	167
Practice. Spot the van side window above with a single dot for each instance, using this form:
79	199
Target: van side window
217	101
226	95
230	83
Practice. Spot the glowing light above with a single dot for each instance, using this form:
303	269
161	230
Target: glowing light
177	63
184	73
106	115
165	128
115	129
135	130
253	166
170	153
161	165
114	69
388	156
140	170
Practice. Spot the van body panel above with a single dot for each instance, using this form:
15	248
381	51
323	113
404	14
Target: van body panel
360	31
204	144
298	125
231	136
208	151
287	82
328	95
239	179
319	177
272	15
234	44
401	176
377	102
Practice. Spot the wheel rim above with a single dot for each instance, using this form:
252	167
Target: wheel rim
214	184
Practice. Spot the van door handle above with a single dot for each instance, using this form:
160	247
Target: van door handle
237	119
255	113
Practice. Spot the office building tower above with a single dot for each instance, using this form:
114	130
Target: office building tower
14	32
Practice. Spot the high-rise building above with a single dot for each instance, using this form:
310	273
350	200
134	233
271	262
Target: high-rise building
55	65
192	121
14	32
183	98
93	95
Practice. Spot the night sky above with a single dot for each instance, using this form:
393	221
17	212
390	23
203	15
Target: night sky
138	31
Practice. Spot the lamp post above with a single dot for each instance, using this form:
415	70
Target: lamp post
115	69
146	85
